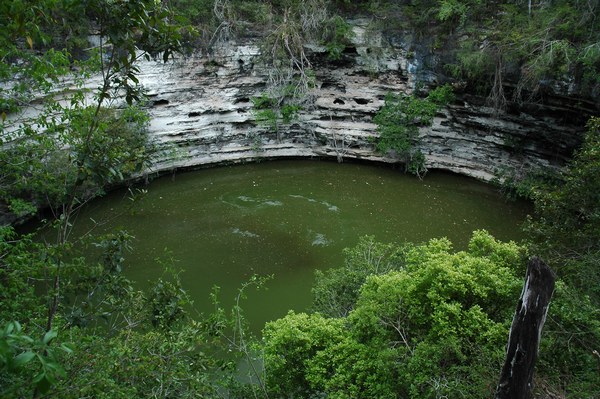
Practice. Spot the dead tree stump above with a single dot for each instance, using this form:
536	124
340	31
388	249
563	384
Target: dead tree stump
525	332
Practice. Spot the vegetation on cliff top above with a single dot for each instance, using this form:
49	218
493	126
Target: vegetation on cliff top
511	50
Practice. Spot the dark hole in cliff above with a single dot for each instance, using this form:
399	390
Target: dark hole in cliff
362	101
513	109
193	114
160	102
338	101
212	63
332	85
241	100
241	62
332	118
350	50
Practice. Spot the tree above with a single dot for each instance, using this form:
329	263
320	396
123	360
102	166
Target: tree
516	379
336	290
107	339
566	224
434	326
71	149
565	231
291	344
72	132
62	144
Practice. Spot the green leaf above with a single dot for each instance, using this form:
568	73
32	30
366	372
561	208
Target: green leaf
133	78
66	348
23	358
49	336
42	382
9	328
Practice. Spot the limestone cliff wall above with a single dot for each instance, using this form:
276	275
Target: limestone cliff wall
202	113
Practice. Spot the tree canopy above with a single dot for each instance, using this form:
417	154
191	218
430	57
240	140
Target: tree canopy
413	331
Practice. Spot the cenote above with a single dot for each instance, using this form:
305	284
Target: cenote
286	219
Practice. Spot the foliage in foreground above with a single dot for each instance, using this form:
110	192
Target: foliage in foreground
565	230
434	325
425	322
107	339
422	321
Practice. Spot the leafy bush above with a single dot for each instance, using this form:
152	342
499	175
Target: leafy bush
289	112
566	226
290	345
398	123
35	361
268	110
426	322
336	37
567	363
336	290
565	229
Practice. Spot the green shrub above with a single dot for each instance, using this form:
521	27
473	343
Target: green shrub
425	322
337	35
398	123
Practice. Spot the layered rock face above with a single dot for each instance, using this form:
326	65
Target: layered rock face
202	113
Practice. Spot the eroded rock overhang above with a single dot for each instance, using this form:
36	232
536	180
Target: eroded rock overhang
202	113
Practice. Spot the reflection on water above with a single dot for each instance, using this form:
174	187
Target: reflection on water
289	218
320	240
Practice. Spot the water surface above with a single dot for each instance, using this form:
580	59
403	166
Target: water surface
289	218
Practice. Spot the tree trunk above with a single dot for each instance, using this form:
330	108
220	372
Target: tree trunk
525	332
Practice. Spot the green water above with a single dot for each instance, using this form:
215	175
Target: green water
289	218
